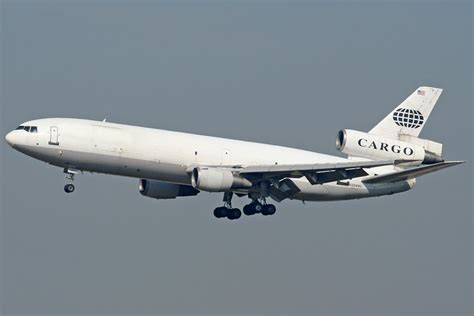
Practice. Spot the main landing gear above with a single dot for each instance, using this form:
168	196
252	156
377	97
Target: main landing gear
255	207
69	188
230	213
227	210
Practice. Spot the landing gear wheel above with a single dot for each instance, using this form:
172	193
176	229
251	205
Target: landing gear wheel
257	207
253	208
268	209
233	213
248	210
69	188
220	212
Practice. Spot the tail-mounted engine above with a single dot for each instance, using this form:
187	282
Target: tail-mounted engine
371	146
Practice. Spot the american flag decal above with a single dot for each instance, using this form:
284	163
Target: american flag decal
420	92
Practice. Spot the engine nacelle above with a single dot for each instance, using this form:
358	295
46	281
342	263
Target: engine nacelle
217	180
164	190
370	146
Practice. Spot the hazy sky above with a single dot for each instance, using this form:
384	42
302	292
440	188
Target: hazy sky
284	73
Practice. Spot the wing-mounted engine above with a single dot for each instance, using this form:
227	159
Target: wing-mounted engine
213	179
164	190
371	146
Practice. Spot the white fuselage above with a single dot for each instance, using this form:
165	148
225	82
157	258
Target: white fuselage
148	153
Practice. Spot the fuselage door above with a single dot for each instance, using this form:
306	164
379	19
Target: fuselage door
53	135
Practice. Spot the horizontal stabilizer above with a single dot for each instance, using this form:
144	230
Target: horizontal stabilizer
411	173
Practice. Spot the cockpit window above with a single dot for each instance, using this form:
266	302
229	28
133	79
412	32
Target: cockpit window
30	129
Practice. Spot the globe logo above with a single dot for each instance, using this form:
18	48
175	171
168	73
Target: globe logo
408	118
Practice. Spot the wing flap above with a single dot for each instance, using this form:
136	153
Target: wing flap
284	189
411	173
335	175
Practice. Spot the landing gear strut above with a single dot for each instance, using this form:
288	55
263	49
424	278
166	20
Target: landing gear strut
259	201
69	188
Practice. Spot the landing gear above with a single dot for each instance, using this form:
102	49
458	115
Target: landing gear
220	212
253	208
230	213
258	205
259	201
69	188
227	210
268	209
233	213
264	209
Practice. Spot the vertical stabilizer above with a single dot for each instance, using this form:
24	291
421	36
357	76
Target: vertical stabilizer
410	116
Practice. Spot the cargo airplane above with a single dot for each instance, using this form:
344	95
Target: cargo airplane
386	160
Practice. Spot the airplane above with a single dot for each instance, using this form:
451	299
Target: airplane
386	160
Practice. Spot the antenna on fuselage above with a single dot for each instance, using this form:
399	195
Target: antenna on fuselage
104	120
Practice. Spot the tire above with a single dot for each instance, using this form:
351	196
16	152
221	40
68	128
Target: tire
220	212
230	215
69	188
257	207
270	209
248	210
236	213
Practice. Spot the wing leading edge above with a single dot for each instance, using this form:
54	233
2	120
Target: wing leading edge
315	173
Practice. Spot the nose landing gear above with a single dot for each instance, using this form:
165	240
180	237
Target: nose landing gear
69	188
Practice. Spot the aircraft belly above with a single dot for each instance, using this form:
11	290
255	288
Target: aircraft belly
109	163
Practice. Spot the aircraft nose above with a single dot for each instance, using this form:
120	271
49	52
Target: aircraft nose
10	138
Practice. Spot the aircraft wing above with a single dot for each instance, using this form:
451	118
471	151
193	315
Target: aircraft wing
411	173
282	187
318	173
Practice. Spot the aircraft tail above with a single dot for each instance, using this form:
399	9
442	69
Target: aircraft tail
397	132
408	119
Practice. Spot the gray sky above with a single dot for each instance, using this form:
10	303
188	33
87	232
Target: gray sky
288	74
